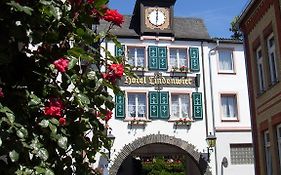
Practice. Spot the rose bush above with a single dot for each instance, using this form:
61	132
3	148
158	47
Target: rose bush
52	90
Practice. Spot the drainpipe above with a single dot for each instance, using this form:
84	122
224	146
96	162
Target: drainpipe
204	88
212	99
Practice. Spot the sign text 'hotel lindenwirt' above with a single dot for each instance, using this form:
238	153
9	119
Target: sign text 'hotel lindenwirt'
162	80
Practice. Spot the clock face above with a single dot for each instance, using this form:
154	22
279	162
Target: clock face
157	18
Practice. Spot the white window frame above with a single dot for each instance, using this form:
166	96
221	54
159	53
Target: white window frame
178	66
180	106
128	116
260	70
135	55
224	71
225	118
267	153
278	134
272	59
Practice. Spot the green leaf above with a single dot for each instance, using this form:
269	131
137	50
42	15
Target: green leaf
49	172
83	99
40	170
99	3
72	63
80	32
11	117
19	8
43	154
44	123
34	100
22	133
14	156
62	142
53	128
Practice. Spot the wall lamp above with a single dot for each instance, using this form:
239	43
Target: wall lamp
111	137
211	142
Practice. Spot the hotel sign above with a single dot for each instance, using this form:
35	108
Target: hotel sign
164	81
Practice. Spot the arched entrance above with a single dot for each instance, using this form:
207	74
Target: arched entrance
155	144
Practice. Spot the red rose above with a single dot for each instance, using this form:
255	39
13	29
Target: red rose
114	17
52	111
62	121
1	93
118	69
54	108
61	64
108	115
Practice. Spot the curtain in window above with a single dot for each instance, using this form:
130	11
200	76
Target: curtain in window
175	106
141	105
131	56
173	58
184	105
225	60
132	105
182	57
140	56
229	106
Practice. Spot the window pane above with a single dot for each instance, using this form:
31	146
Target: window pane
225	60
182	57
184	105
228	105
140	57
141	105
173	58
131	56
132	105
180	105
175	106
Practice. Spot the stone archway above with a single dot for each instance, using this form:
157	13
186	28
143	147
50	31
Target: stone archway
165	139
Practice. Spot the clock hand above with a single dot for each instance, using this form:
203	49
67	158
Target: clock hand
156	16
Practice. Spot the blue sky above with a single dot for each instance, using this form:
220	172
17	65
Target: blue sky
217	14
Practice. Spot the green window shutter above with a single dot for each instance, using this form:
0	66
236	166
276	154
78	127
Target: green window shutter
153	104
119	106
197	105
194	59
162	57
119	51
164	105
153	57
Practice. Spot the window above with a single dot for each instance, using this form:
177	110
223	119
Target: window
178	57
241	154
278	129
136	104
229	106
260	69
136	56
268	156
272	59
226	61
180	106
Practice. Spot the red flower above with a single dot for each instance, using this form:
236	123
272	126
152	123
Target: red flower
90	1
114	71
54	108
108	115
62	121
61	64
1	93
113	16
118	69
52	111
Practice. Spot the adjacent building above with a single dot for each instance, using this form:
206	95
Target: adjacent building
261	25
188	87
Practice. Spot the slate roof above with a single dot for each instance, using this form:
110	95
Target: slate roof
184	28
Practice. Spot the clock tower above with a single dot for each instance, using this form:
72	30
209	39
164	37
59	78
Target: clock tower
154	17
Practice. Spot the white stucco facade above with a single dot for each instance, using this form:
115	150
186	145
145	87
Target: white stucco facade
212	86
